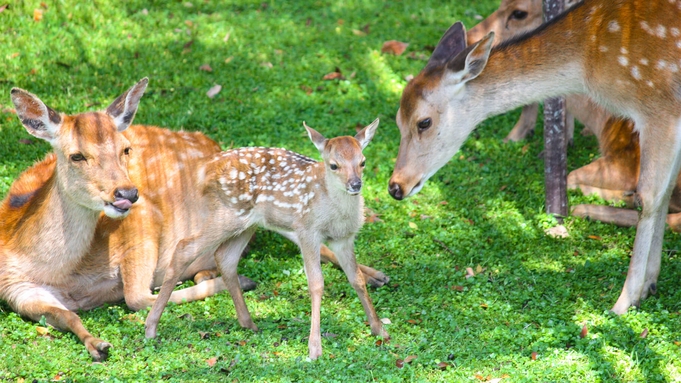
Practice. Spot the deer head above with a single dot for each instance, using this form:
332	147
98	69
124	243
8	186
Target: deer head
436	111
91	154
343	157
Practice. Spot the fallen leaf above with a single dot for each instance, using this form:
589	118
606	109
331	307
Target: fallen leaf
457	288
379	343
394	47
229	59
525	148
42	331
444	203
424	217
676	342
308	91
534	355
26	141
213	91
226	38
187	47
333	75
479	269
189	23
558	231
357	32
211	362
3	7
484	305
479	377
267	64
206	67
443	365
385	321
469	272
502	188
644	333
373	218
204	335
413	226
399	363
37	14
410	358
188	4
595	237
584	331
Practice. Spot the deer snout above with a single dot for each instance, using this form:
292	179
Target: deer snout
125	197
354	186
395	190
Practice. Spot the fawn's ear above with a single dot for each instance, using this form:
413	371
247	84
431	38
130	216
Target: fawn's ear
365	135
123	109
317	139
38	119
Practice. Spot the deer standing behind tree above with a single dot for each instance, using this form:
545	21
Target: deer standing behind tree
60	254
306	201
625	54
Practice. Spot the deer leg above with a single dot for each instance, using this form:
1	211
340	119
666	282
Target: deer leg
372	276
37	301
137	269
660	162
346	257
525	124
605	178
315	284
227	258
186	251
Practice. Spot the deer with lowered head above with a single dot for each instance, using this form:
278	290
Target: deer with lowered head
96	221
307	201
625	54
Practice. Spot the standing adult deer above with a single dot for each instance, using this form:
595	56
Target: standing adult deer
623	53
60	254
304	200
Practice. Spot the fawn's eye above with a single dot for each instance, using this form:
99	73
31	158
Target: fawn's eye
363	163
333	167
518	14
127	151
424	124
77	157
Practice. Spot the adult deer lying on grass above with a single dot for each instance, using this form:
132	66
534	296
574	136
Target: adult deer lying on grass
59	254
623	53
304	200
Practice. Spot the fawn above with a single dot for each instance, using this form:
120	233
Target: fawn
626	54
304	200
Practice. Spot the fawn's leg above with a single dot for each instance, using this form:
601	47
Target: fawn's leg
525	124
34	302
315	282
185	253
227	258
346	257
660	162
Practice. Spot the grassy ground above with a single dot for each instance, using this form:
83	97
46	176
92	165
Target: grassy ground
519	319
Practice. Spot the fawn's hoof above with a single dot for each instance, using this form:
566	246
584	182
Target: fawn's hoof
98	349
247	284
377	280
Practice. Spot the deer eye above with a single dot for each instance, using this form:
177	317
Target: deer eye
518	14
424	124
333	166
127	151
363	163
77	157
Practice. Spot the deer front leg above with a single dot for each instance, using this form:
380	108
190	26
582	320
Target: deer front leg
346	257
227	258
36	301
315	283
372	276
525	124
659	168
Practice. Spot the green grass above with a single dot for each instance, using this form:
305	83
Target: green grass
534	295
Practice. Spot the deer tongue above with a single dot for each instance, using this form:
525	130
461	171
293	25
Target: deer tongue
123	204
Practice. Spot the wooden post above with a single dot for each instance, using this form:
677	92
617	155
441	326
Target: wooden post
555	140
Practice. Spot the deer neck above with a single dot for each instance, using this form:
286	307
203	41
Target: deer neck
544	64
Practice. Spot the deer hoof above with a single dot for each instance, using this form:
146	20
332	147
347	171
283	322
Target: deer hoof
378	280
98	349
247	284
652	289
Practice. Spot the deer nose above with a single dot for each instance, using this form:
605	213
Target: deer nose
355	186
130	194
395	191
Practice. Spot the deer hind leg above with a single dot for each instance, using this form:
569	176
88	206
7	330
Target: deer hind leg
372	276
35	302
227	258
660	162
346	258
525	125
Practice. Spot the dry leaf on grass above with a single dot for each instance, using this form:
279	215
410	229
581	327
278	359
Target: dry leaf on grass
584	331
213	91
534	355
37	14
206	68
3	7
644	333
394	47
334	75
211	362
469	272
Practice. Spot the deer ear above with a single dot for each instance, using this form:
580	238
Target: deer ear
123	109
451	44
468	64
365	135
38	119
317	139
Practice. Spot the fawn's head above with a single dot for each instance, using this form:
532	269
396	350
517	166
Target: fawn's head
92	155
436	112
343	157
